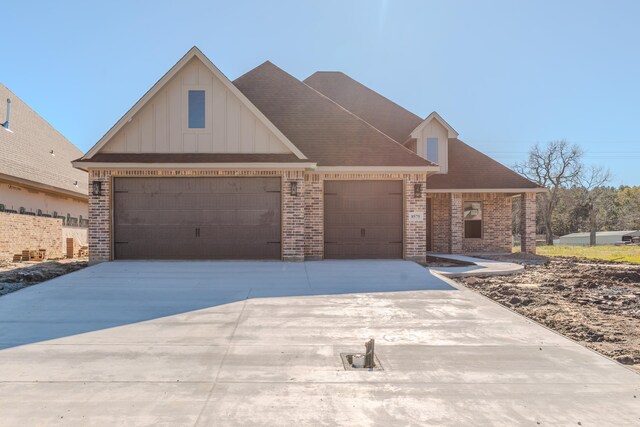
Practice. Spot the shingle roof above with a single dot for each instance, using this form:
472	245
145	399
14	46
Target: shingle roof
25	153
467	169
324	131
470	169
365	103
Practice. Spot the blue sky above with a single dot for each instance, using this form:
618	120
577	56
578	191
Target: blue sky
505	74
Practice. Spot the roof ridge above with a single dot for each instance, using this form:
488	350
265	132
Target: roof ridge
368	124
365	87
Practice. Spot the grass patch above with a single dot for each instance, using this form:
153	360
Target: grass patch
608	253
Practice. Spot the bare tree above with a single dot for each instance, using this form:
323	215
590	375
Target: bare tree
554	165
591	182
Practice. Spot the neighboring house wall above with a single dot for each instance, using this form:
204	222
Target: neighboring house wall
21	232
448	222
161	126
14	196
414	231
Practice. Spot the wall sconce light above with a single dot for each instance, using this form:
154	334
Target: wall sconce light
294	188
417	191
96	187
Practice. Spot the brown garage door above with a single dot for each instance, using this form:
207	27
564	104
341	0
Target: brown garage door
363	219
197	218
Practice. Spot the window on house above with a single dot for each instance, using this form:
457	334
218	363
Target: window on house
473	220
432	149
196	109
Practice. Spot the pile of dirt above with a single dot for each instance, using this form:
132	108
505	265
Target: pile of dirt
16	276
591	301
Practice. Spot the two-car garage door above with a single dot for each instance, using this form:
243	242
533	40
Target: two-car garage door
197	218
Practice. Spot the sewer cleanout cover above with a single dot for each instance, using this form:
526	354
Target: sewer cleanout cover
355	362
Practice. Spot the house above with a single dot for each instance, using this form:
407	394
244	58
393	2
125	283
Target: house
43	198
271	167
602	238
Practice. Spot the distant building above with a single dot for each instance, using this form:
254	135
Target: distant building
602	238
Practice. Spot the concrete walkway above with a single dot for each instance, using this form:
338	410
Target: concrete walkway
259	343
478	267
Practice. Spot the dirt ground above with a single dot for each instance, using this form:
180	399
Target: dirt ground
596	303
18	275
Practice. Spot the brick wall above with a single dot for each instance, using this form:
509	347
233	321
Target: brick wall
528	222
20	232
415	231
293	231
447	221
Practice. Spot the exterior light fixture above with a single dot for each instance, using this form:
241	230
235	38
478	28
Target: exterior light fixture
96	187
294	188
417	191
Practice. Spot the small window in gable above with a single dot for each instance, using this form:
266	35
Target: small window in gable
196	109
473	220
432	149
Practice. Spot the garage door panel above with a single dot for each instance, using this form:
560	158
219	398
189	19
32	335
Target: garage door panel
363	219
197	218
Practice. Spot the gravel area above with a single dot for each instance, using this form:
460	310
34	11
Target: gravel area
596	303
19	275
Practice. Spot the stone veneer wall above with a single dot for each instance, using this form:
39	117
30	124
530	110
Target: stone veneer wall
448	225
20	232
293	231
414	231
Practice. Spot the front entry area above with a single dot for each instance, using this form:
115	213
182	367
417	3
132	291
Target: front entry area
363	219
186	218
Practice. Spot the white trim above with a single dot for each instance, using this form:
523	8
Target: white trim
451	132
407	169
255	165
193	52
486	190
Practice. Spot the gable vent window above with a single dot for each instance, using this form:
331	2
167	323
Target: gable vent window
196	109
472	220
432	149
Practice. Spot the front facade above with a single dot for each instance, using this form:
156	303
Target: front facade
270	167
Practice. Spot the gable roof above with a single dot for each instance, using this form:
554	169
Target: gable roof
452	133
194	52
325	131
467	168
386	115
25	152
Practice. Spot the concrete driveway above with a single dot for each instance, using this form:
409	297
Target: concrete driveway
259	343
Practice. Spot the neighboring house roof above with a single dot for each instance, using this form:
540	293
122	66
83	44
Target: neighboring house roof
25	152
325	131
468	168
386	115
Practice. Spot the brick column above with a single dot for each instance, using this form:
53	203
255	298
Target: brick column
528	223
313	217
456	223
293	217
416	216
99	235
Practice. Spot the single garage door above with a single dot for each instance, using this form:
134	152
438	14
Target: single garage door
363	219
196	218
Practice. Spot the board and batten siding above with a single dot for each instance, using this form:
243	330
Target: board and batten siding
161	126
434	129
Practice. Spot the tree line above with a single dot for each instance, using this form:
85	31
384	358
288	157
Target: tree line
579	197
